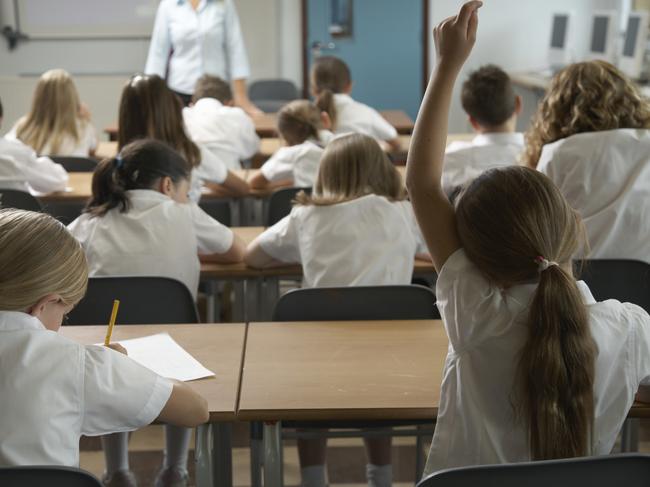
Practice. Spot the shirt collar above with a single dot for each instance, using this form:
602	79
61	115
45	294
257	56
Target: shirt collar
342	98
207	101
17	320
499	138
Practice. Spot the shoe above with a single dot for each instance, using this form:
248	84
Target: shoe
120	478
172	477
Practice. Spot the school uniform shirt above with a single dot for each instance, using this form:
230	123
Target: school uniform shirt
352	116
464	161
227	132
298	162
487	330
206	41
21	169
606	177
211	169
369	241
69	147
156	237
53	390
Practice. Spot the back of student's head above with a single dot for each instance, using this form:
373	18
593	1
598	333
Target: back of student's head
212	87
54	113
329	76
148	108
38	256
299	121
585	97
353	166
508	219
139	165
488	96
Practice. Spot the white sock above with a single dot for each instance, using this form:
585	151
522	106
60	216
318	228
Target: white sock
177	444
116	452
379	475
314	476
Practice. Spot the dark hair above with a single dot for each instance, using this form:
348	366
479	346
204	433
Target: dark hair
138	166
330	73
148	108
488	96
212	87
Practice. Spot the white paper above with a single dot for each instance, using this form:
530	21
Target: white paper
161	354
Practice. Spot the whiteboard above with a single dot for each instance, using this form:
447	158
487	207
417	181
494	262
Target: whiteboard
87	18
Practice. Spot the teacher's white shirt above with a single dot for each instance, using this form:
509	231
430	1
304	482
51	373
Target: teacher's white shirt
205	41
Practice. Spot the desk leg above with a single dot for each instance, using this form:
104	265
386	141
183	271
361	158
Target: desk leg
270	298
213	455
273	475
211	300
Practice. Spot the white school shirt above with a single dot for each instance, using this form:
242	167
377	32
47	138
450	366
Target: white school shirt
369	241
227	132
353	116
606	177
299	162
69	147
20	169
210	169
53	390
464	161
156	237
487	330
206	41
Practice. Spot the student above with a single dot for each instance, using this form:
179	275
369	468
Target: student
139	222
304	130
591	136
148	108
214	121
21	169
58	123
492	108
536	368
331	85
55	390
356	230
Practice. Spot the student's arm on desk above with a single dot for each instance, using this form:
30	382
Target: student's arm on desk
233	255
258	181
185	407
233	186
258	259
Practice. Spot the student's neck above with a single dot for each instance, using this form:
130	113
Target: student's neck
510	127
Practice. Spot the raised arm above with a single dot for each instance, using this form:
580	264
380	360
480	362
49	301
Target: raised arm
454	39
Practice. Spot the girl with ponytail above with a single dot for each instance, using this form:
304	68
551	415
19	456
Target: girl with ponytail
536	368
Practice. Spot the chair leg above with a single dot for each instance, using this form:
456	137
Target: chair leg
256	453
273	473
419	464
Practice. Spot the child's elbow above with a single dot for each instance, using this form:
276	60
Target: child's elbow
198	415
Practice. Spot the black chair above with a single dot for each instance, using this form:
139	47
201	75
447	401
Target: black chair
64	211
272	94
605	471
46	476
21	200
76	164
143	300
217	209
280	204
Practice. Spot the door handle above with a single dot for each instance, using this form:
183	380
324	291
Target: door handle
318	46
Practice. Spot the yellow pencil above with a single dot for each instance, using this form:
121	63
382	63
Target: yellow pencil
111	324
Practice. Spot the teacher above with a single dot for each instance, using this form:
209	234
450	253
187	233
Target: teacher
203	37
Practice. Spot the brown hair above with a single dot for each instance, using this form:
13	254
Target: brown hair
488	96
585	97
298	121
38	256
212	87
148	108
54	114
329	75
353	166
506	218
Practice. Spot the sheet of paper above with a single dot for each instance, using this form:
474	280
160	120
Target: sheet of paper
161	354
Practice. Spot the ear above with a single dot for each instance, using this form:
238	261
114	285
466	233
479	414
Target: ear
38	308
519	105
166	186
474	123
325	120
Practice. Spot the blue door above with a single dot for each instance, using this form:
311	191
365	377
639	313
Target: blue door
384	49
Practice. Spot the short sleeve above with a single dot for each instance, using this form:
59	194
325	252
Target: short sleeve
160	45
640	321
281	240
211	236
212	168
381	129
119	394
280	165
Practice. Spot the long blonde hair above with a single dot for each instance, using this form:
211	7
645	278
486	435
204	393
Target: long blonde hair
38	256
353	166
54	114
585	97
298	121
507	218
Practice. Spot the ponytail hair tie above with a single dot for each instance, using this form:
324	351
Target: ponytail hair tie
119	162
543	264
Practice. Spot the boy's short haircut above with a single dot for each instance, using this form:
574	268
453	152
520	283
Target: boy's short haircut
212	87
488	96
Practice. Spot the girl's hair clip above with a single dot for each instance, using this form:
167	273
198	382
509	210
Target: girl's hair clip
119	162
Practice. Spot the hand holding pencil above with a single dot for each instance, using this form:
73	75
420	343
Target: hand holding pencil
107	341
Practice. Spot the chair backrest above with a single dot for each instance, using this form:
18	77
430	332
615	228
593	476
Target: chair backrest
625	280
217	209
37	476
64	211
76	164
633	470
273	89
143	300
408	302
21	200
280	204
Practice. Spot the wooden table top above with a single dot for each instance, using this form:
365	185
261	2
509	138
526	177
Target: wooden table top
219	347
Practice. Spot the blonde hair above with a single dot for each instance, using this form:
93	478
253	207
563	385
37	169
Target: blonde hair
54	114
585	97
298	121
38	256
353	166
507	218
